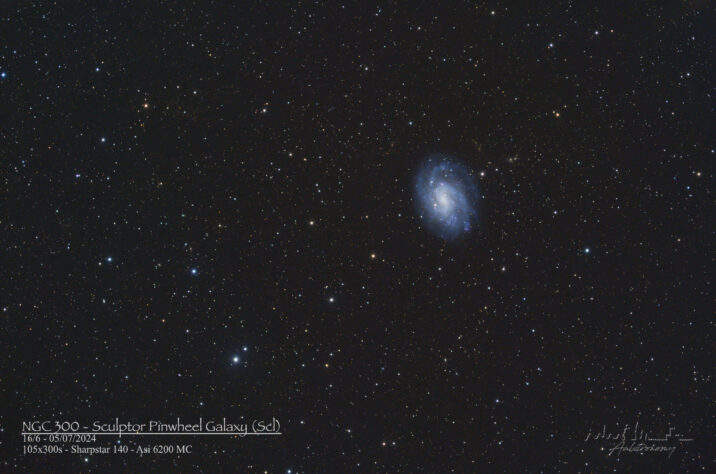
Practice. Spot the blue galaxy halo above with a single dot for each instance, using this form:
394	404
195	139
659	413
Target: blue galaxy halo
446	196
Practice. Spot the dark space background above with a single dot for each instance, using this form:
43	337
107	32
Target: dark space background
183	180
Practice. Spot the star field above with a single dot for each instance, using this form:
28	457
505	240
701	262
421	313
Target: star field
224	209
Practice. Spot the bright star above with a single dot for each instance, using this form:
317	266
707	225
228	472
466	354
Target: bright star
236	359
193	271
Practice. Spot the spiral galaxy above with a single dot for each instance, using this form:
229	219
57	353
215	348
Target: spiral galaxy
446	196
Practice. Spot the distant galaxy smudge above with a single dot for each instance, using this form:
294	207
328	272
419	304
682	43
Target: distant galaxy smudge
446	195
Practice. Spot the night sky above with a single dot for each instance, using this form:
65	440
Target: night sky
209	209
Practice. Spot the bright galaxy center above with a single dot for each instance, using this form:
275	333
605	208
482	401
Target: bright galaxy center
446	195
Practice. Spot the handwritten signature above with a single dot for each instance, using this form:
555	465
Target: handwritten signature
635	440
